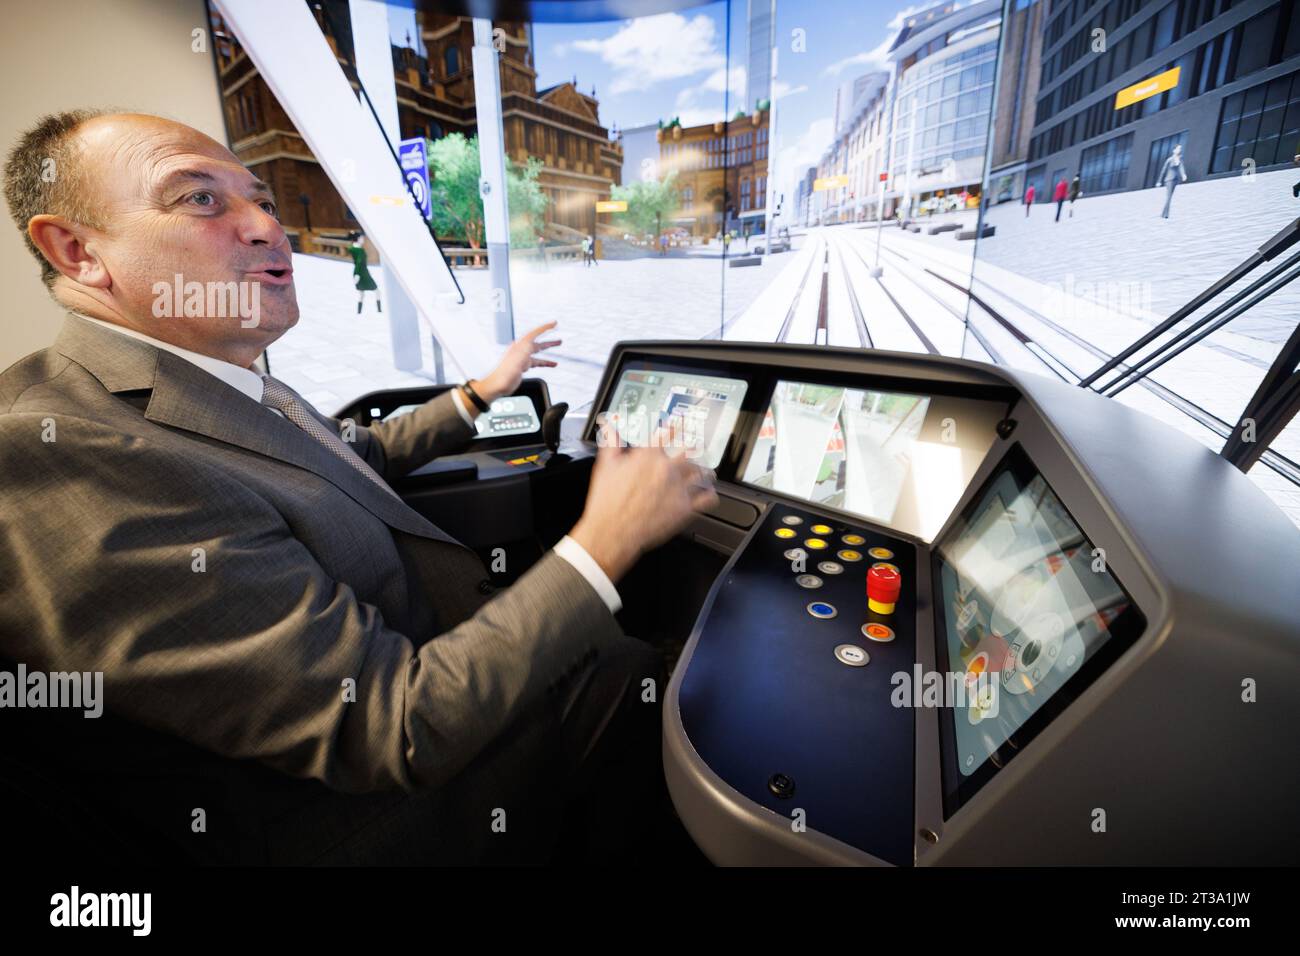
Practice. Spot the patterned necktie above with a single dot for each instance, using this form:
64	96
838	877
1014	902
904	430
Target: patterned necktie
277	395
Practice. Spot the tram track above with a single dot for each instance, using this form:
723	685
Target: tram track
1275	461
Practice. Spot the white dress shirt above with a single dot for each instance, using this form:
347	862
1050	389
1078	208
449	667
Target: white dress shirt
250	383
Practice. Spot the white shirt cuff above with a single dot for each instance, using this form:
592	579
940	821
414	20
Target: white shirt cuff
458	397
586	565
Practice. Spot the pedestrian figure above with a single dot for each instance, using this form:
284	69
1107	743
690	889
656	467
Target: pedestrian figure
663	244
541	250
1171	174
1076	190
361	276
1058	196
586	251
591	246
1029	199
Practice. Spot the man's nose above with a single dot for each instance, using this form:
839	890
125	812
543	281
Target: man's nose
257	227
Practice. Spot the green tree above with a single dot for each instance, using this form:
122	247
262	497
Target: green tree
649	204
526	201
457	206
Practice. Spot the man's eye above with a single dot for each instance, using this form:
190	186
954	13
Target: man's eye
271	209
203	199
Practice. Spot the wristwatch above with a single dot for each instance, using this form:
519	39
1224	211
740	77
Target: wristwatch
474	397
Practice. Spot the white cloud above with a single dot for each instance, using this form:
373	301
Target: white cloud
875	58
715	82
782	90
650	50
870	59
792	160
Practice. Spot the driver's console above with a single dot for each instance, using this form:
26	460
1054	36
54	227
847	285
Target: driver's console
943	612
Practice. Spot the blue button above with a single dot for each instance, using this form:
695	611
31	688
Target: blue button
822	610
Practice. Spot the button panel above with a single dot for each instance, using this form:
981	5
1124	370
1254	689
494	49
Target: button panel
815	686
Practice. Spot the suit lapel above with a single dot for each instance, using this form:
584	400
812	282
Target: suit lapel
187	398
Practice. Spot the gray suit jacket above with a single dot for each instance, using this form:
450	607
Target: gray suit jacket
309	581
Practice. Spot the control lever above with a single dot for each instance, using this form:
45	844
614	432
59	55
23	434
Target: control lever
551	420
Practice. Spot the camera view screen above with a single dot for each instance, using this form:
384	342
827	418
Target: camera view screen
508	415
701	408
845	448
1026	603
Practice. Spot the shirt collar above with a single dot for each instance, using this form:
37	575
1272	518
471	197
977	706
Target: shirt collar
241	379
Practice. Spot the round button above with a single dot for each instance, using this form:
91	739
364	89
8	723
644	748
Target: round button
821	529
792	519
784	532
816	544
881	554
808	581
852	655
796	554
886	564
878	633
854	539
830	567
848	554
822	610
781	785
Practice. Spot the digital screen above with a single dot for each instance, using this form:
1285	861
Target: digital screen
846	448
509	415
1026	603
701	408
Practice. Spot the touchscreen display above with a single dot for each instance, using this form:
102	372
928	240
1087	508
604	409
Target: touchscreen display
846	448
1026	603
702	409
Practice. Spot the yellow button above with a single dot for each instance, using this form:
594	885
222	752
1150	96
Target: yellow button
854	539
816	544
785	532
848	554
880	554
821	529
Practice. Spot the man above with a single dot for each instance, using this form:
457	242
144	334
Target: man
1059	196
1171	174
297	667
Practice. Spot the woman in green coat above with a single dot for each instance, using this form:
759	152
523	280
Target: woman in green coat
361	276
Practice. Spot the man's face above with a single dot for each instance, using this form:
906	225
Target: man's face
175	203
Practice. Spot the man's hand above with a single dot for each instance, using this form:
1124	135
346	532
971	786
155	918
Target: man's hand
519	358
638	499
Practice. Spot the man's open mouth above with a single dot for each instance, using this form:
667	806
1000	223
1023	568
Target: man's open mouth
277	276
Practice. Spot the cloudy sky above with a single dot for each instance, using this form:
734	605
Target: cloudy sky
687	65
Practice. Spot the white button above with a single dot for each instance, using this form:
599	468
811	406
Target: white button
852	655
796	554
830	567
808	581
792	519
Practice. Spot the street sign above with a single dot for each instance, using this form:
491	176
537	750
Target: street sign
611	205
830	182
415	167
1147	88
884	177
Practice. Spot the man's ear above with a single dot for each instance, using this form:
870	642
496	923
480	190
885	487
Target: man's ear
69	248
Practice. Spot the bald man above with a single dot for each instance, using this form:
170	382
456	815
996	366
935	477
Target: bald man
296	666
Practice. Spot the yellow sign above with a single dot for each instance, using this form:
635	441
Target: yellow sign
611	205
830	182
1147	88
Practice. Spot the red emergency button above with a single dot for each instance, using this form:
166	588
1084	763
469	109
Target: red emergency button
883	586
